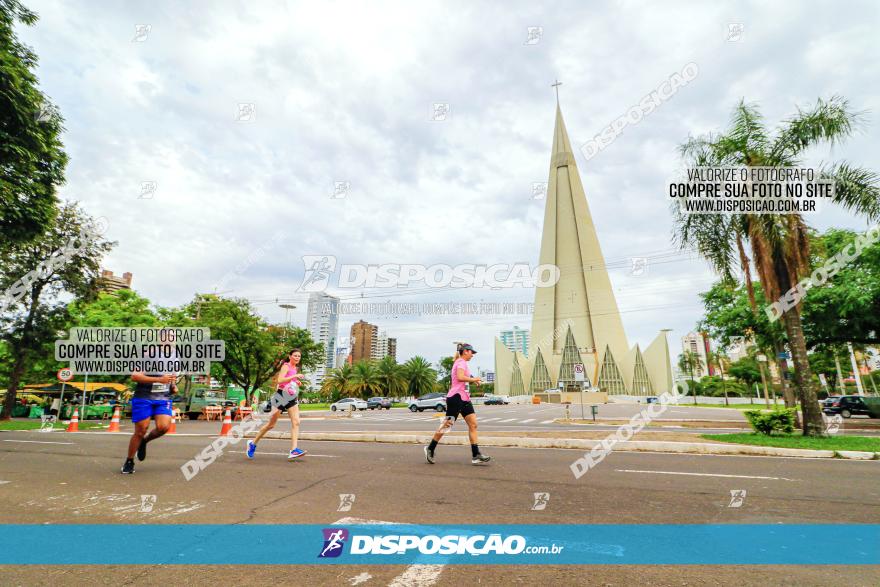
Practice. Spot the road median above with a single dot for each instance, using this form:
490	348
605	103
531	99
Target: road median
584	444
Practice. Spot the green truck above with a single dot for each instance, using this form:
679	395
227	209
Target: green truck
200	396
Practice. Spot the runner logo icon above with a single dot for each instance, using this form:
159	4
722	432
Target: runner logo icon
334	541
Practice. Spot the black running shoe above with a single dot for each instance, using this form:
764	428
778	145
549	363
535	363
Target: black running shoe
128	467
142	450
429	455
480	459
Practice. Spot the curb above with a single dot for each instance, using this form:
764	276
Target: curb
586	445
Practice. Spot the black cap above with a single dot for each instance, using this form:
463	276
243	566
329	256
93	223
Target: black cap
467	347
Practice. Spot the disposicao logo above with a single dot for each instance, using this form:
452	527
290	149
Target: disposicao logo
334	542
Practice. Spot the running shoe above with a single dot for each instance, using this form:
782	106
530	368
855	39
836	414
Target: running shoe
142	450
295	453
429	455
128	467
251	449
480	459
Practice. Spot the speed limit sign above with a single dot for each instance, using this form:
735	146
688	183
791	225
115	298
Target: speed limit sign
65	374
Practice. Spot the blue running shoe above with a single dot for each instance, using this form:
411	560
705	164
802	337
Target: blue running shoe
251	449
295	453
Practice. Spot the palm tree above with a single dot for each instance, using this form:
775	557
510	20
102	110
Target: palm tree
778	242
419	375
718	357
365	380
687	362
390	375
337	382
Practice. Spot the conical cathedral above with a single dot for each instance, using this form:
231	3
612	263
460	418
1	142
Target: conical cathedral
577	320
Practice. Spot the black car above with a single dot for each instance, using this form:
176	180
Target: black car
847	406
379	402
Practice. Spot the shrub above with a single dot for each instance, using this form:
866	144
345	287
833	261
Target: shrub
770	421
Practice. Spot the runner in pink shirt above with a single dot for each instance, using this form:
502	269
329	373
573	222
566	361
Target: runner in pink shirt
458	401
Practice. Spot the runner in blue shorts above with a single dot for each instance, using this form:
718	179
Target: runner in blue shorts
152	399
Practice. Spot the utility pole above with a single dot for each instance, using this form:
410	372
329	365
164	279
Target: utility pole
761	360
856	376
839	374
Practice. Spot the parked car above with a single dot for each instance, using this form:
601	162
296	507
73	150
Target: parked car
379	402
428	401
829	401
495	400
349	403
847	406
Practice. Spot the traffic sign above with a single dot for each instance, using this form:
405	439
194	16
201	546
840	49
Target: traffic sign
579	372
65	374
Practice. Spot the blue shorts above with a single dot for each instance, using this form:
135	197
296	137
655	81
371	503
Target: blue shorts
144	409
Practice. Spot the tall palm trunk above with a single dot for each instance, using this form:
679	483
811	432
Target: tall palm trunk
803	377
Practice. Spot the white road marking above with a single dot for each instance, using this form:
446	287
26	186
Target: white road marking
527	421
308	454
414	575
704	474
548	421
508	420
487	419
38	441
2	482
418	576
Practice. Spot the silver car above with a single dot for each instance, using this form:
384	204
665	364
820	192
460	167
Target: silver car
429	401
349	403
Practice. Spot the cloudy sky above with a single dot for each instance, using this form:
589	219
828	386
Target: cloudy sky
345	92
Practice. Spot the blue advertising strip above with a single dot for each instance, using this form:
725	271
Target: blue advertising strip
393	544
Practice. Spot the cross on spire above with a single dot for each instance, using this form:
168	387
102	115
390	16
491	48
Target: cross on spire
556	86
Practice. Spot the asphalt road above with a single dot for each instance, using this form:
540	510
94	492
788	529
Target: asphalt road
65	478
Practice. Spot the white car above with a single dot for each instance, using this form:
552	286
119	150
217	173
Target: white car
349	403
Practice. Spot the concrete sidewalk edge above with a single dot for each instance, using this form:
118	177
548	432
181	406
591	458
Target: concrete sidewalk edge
586	445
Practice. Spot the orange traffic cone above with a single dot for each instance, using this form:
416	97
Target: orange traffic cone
74	422
114	421
227	424
173	428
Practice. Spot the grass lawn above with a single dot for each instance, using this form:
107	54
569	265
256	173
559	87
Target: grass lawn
756	406
322	406
35	425
841	442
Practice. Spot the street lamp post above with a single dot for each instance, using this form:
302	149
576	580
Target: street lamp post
287	309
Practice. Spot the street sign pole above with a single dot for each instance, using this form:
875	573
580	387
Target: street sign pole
85	387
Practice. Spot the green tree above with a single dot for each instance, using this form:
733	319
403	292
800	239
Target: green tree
779	243
123	308
419	375
746	370
365	380
390	375
33	275
32	158
255	350
847	307
444	371
337	382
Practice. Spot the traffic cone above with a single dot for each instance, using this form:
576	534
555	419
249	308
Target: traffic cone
114	421
173	428
74	422
227	424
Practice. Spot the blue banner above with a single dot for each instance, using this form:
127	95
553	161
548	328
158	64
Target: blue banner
394	544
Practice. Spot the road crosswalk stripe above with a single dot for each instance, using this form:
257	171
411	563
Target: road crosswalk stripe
547	422
508	420
527	421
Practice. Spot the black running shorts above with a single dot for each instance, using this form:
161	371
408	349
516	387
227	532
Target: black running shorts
455	406
282	400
